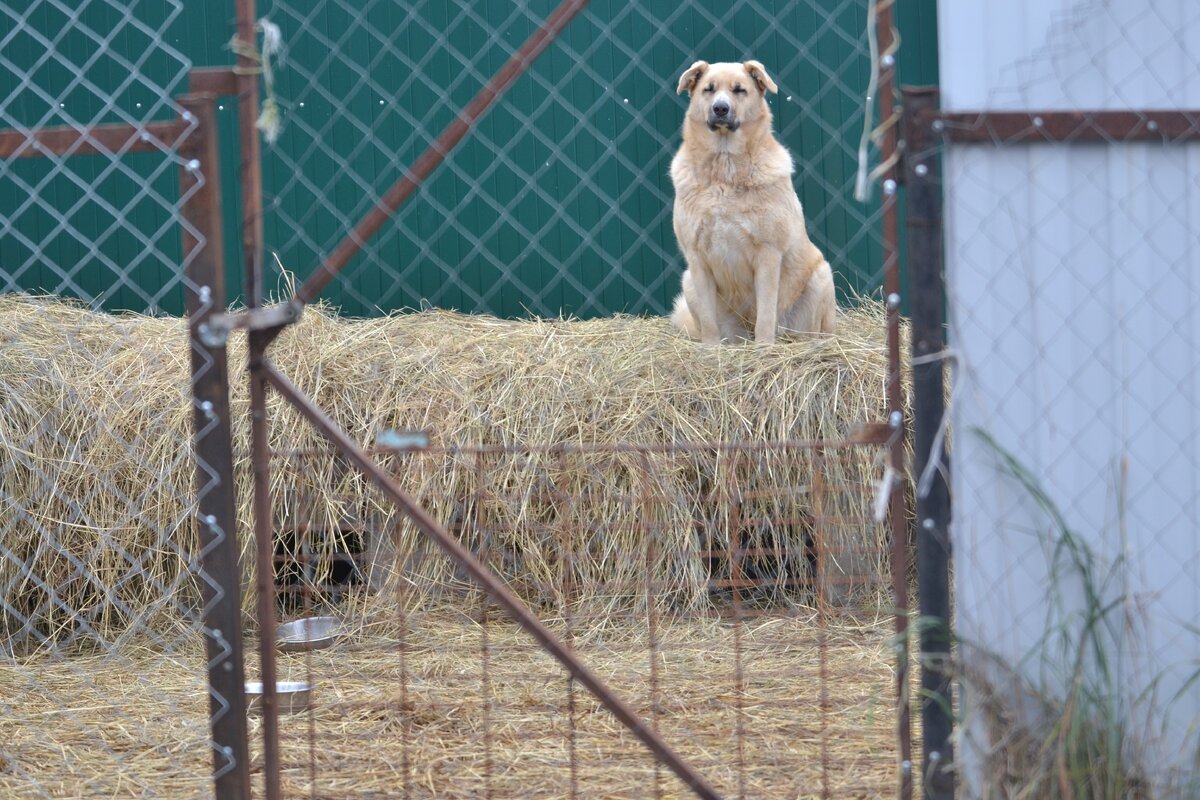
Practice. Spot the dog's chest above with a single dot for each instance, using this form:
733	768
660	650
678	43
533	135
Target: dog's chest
724	223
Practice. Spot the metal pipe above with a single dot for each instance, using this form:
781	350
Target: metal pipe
220	81
246	84
1008	127
264	548
249	145
898	517
220	574
484	578
820	582
927	290
65	140
707	448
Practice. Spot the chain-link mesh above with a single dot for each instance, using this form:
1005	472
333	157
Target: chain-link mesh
94	228
100	578
1071	265
559	202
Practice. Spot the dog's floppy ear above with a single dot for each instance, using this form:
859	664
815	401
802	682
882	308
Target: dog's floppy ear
759	74
688	80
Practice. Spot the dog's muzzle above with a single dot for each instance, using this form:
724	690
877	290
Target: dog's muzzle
720	115
727	122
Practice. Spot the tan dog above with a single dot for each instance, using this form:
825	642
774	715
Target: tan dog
750	264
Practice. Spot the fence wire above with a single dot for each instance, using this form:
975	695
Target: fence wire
100	578
1071	187
716	589
557	204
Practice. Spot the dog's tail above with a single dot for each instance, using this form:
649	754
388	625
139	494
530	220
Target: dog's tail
683	318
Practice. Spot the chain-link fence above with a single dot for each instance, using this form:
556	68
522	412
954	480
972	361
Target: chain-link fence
106	583
100	228
1069	165
559	202
726	473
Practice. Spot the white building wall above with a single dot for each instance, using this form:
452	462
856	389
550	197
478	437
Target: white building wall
1074	296
1105	54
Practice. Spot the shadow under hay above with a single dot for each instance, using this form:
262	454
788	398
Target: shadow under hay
528	421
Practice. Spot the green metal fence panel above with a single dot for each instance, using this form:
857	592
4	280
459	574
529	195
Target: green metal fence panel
558	203
90	226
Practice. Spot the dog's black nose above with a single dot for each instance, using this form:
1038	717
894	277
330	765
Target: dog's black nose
721	108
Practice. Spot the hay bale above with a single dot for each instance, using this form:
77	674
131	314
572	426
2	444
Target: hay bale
95	425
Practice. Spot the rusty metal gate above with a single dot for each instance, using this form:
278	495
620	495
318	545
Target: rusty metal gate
740	567
739	607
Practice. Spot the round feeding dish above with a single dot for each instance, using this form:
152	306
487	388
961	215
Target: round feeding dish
309	633
292	696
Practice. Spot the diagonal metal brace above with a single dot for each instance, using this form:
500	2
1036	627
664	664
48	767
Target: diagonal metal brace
215	330
370	469
435	153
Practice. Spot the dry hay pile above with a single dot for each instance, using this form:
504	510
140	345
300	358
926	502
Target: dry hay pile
95	425
426	725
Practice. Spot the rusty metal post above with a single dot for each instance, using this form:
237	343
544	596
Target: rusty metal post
67	140
220	574
897	515
924	221
249	146
264	549
820	581
260	457
1158	125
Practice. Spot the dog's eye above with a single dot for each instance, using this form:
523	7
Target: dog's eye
709	89
738	90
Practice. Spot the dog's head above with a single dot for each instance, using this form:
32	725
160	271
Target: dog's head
727	96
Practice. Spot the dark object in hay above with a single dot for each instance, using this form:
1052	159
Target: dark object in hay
314	566
761	561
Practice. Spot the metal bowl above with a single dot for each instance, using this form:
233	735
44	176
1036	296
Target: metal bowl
310	633
291	696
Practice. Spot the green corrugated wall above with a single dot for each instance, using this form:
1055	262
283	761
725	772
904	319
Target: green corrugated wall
572	217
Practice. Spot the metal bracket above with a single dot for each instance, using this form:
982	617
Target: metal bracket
221	81
215	330
870	433
402	440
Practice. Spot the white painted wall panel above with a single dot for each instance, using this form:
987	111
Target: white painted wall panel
1074	293
1109	54
1073	275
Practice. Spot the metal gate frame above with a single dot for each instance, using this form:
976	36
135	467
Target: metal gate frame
264	324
